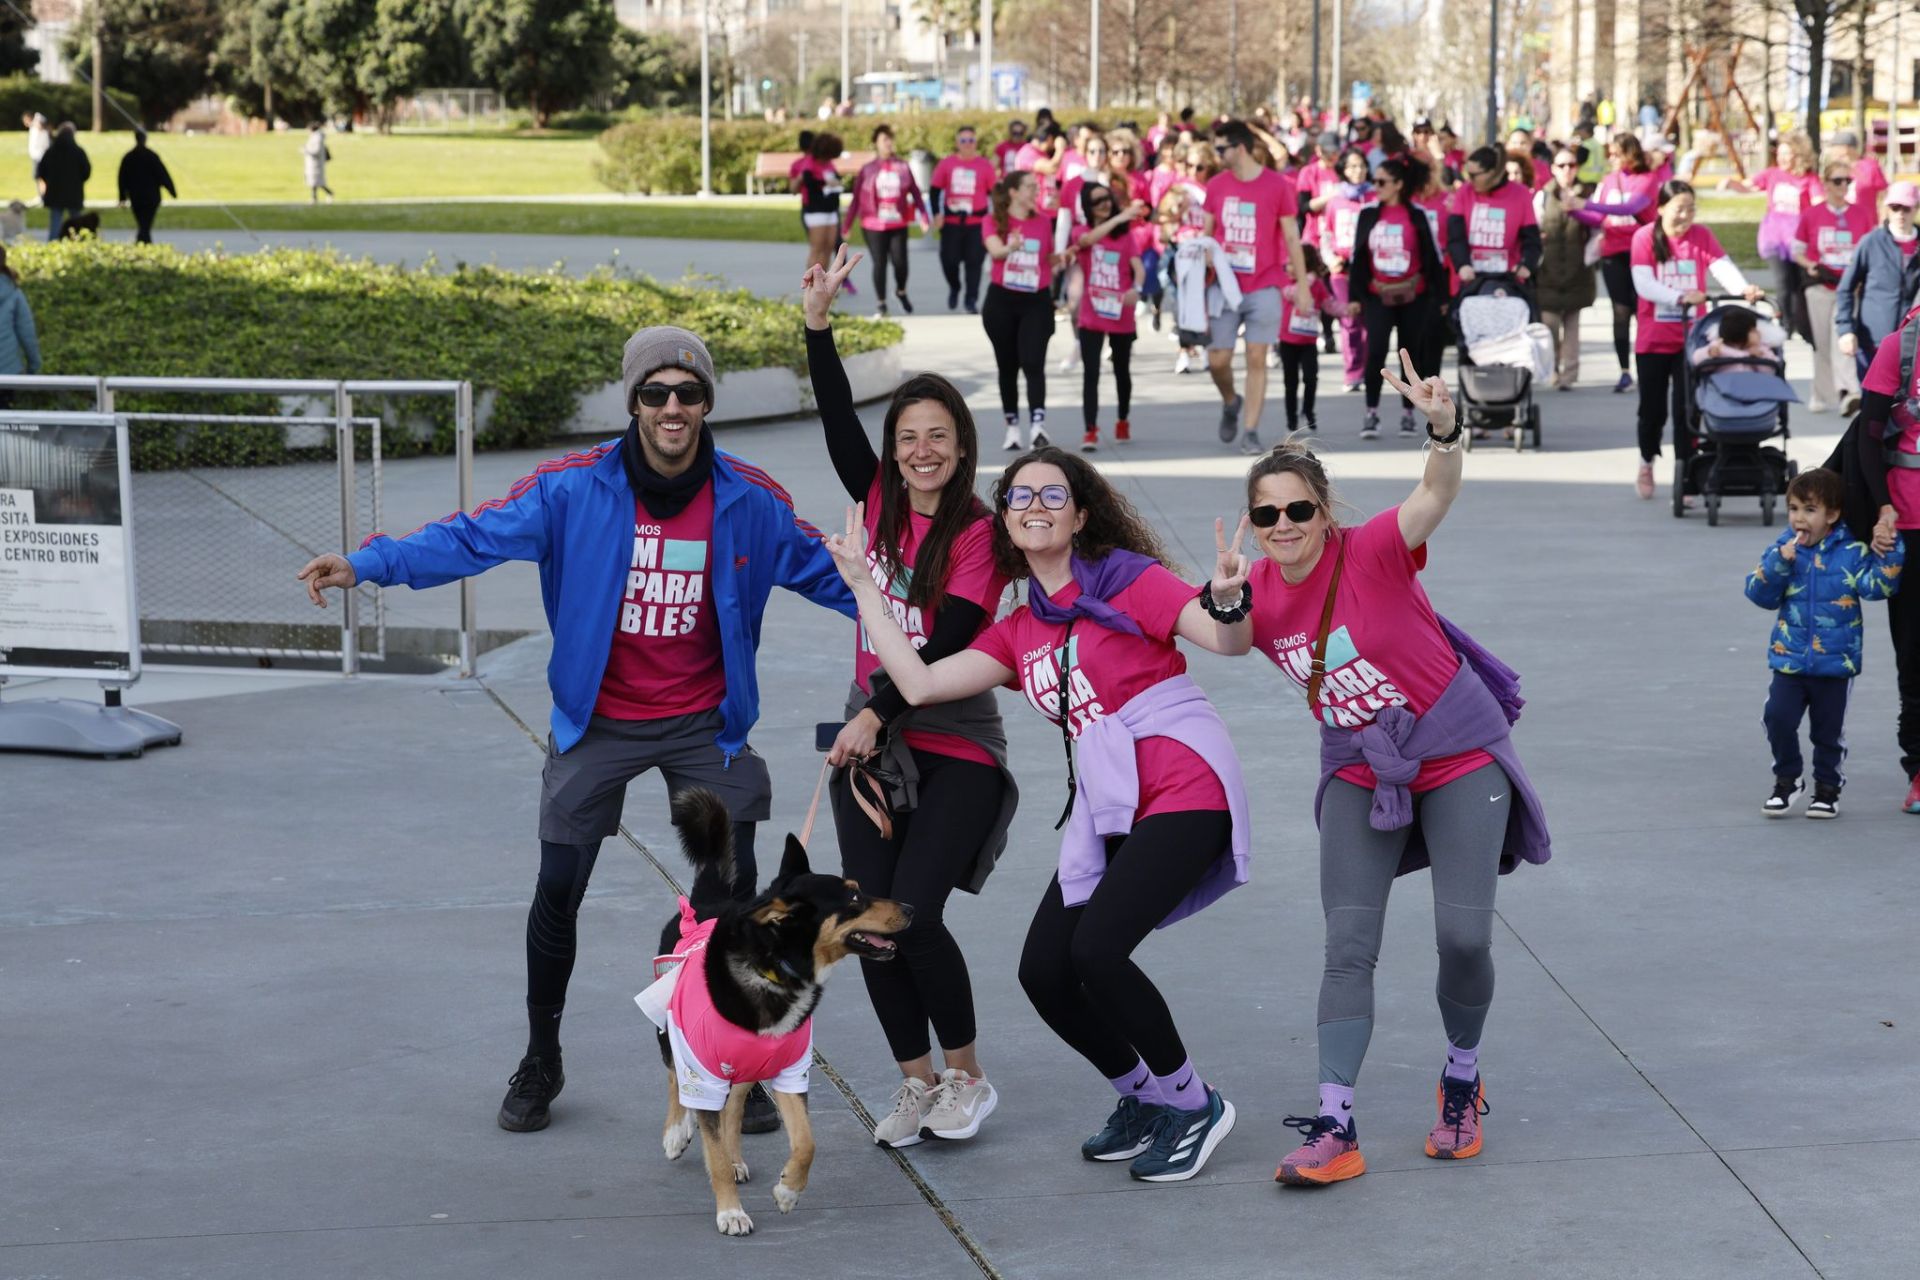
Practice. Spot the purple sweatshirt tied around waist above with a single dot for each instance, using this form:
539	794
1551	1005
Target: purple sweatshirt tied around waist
1110	789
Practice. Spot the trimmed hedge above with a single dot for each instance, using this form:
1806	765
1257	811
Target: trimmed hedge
537	340
662	156
20	94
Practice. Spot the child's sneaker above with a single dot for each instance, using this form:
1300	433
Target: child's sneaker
1090	441
1912	803
1331	1153
1182	1140
1785	792
1462	1103
1825	802
1126	1134
1122	431
901	1126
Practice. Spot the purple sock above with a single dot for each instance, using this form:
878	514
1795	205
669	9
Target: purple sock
1136	1084
1183	1090
1463	1064
1336	1100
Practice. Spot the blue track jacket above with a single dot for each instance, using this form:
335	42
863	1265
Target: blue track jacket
574	517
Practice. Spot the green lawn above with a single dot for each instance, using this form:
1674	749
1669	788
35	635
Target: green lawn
366	166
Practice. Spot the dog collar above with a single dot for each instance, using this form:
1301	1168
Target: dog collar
785	968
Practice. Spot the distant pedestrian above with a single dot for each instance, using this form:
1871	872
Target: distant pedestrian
143	176
1882	283
62	176
317	155
19	341
38	138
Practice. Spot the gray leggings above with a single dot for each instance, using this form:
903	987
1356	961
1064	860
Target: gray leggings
1465	824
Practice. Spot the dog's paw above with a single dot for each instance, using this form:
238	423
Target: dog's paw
740	1171
733	1222
785	1197
678	1137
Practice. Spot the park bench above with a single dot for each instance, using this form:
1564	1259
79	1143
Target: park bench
772	166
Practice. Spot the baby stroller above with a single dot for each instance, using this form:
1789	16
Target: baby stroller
1503	352
1734	405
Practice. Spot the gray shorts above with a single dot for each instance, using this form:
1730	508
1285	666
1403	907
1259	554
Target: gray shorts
1258	313
583	790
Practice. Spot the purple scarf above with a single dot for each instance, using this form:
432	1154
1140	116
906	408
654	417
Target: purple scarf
1099	581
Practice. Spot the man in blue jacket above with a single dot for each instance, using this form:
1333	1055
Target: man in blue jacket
657	553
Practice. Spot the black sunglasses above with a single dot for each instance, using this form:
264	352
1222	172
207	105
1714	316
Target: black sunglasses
1053	497
1298	512
654	394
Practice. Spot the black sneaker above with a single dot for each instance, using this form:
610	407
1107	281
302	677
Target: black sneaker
1313	423
906	303
1785	792
536	1082
1406	423
1825	802
762	1116
953	299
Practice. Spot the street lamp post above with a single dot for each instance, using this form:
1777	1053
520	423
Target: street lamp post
846	50
986	55
1093	73
1493	71
1339	21
1318	106
706	105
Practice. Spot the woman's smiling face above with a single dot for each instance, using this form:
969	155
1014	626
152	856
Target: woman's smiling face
1287	544
1038	529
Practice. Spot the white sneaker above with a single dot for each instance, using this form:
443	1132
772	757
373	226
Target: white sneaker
959	1103
1012	443
1070	361
1039	437
1183	361
1273	357
901	1128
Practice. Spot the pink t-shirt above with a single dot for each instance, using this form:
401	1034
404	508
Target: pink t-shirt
1313	176
1830	237
970	576
1788	196
1028	266
1869	180
1493	225
967	184
1107	269
1394	246
1109	669
1248	217
1616	229
665	659
1435	207
1302	328
1883	377
1004	153
1049	183
1337	222
886	196
1385	647
1663	328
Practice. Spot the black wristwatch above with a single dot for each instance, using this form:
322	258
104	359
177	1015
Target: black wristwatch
1450	437
1232	615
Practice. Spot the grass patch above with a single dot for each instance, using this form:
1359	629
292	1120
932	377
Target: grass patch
676	220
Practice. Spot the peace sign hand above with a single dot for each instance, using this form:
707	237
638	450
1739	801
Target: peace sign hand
1429	395
819	285
849	549
1231	565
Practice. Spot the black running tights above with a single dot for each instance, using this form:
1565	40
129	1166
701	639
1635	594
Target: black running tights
1617	270
1090	340
932	850
1300	375
887	246
962	255
1661	381
1019	325
1077	967
1414	321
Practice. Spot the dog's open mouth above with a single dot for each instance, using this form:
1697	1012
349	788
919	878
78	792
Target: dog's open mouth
875	946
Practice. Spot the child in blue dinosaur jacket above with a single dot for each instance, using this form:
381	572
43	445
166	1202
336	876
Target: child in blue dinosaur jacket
1817	576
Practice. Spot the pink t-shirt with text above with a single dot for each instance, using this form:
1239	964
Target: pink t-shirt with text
1385	647
1883	377
1028	266
1620	187
1662	327
665	659
1107	270
1110	668
1830	237
1337	223
1493	223
1302	328
1247	218
1394	246
967	184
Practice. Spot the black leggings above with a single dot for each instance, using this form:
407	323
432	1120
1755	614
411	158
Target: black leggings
1415	322
1019	325
960	247
885	245
1903	616
1789	281
933	847
1300	375
1661	381
1090	372
1617	270
1076	967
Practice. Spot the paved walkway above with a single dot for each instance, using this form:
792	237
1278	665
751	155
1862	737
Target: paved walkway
264	988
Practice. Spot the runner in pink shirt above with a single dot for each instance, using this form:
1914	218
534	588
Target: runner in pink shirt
1823	247
1671	258
1491	228
1299	345
1156	827
962	189
1867	185
1623	203
1109	244
1044	156
1018	312
1005	150
886	199
1337	212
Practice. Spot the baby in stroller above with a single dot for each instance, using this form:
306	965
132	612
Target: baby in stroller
1737	398
1744	341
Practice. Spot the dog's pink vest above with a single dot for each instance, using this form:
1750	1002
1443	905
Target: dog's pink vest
731	1053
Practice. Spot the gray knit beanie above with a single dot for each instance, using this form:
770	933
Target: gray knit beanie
664	347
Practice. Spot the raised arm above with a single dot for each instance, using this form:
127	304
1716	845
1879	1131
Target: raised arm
1432	498
852	453
1228	589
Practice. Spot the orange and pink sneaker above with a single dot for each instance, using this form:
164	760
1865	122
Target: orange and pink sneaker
1462	1103
1331	1153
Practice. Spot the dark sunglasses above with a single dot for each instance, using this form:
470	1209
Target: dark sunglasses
1566	164
1053	497
1840	181
964	139
1265	517
654	394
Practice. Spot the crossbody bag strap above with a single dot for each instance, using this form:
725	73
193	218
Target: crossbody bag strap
1064	693
1319	669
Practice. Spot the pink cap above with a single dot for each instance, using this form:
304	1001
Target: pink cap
1903	193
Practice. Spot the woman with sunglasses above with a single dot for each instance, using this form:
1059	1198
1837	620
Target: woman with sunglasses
1566	273
921	798
1397	283
1018	312
1108	246
1823	246
1156	820
1092	170
1417	766
1338	209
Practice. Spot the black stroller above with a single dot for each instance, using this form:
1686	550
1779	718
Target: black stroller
1735	406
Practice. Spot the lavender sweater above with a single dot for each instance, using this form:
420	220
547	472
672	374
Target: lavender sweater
1110	789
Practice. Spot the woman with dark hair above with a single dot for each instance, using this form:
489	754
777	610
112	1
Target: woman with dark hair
1156	820
1621	205
1018	312
1107	243
1338	207
886	202
1672	257
819	185
1397	282
921	797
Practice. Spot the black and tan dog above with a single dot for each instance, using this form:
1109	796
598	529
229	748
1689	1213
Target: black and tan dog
763	965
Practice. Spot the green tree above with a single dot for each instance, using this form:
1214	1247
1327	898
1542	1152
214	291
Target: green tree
335	56
544	54
156	50
654	70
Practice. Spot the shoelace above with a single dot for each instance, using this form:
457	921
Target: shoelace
1312	1128
938	1095
533	1077
1161	1133
1457	1098
904	1099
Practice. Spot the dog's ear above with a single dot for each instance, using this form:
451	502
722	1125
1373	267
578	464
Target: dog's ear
794	862
772	911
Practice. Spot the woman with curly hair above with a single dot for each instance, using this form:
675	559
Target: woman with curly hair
1156	818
